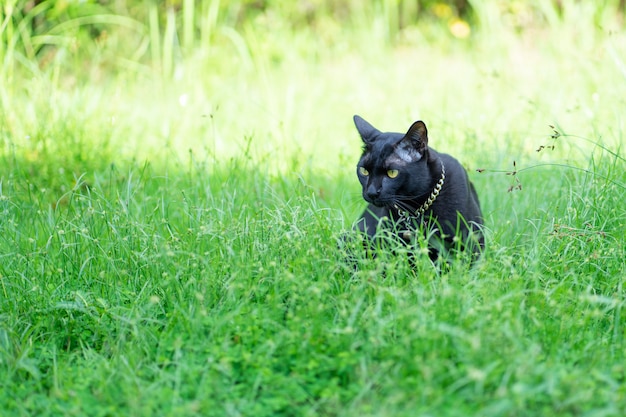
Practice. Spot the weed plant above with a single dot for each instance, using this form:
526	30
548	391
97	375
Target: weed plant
169	234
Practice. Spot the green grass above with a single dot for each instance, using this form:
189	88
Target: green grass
168	244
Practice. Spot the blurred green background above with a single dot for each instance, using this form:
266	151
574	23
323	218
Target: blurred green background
208	74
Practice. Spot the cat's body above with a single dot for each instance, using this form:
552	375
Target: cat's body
413	188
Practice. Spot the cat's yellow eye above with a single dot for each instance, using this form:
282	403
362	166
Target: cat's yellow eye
392	173
363	171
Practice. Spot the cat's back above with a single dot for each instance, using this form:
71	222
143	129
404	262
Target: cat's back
459	186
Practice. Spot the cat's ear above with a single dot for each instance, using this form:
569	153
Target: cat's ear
366	130
415	143
418	134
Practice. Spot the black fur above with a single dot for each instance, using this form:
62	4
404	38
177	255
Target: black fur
454	219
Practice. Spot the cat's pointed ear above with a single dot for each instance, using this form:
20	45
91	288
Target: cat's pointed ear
414	144
366	130
418	134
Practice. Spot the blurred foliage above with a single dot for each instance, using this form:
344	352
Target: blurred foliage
44	15
149	33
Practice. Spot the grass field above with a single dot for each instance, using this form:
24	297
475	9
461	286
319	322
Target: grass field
169	219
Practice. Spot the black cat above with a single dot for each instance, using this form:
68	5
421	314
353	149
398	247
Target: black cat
416	192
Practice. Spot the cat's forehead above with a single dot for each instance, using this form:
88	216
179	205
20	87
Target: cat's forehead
402	157
384	144
388	152
377	153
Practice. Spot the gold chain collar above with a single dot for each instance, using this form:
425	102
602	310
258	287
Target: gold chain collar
404	214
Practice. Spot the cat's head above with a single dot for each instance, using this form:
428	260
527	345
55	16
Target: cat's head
393	167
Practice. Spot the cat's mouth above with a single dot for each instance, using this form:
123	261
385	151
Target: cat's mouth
383	202
378	202
399	205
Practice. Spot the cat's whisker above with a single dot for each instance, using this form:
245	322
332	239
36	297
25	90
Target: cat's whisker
399	204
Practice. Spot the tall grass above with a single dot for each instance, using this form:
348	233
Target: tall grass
210	291
168	235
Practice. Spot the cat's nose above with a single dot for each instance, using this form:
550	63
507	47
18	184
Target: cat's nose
373	192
